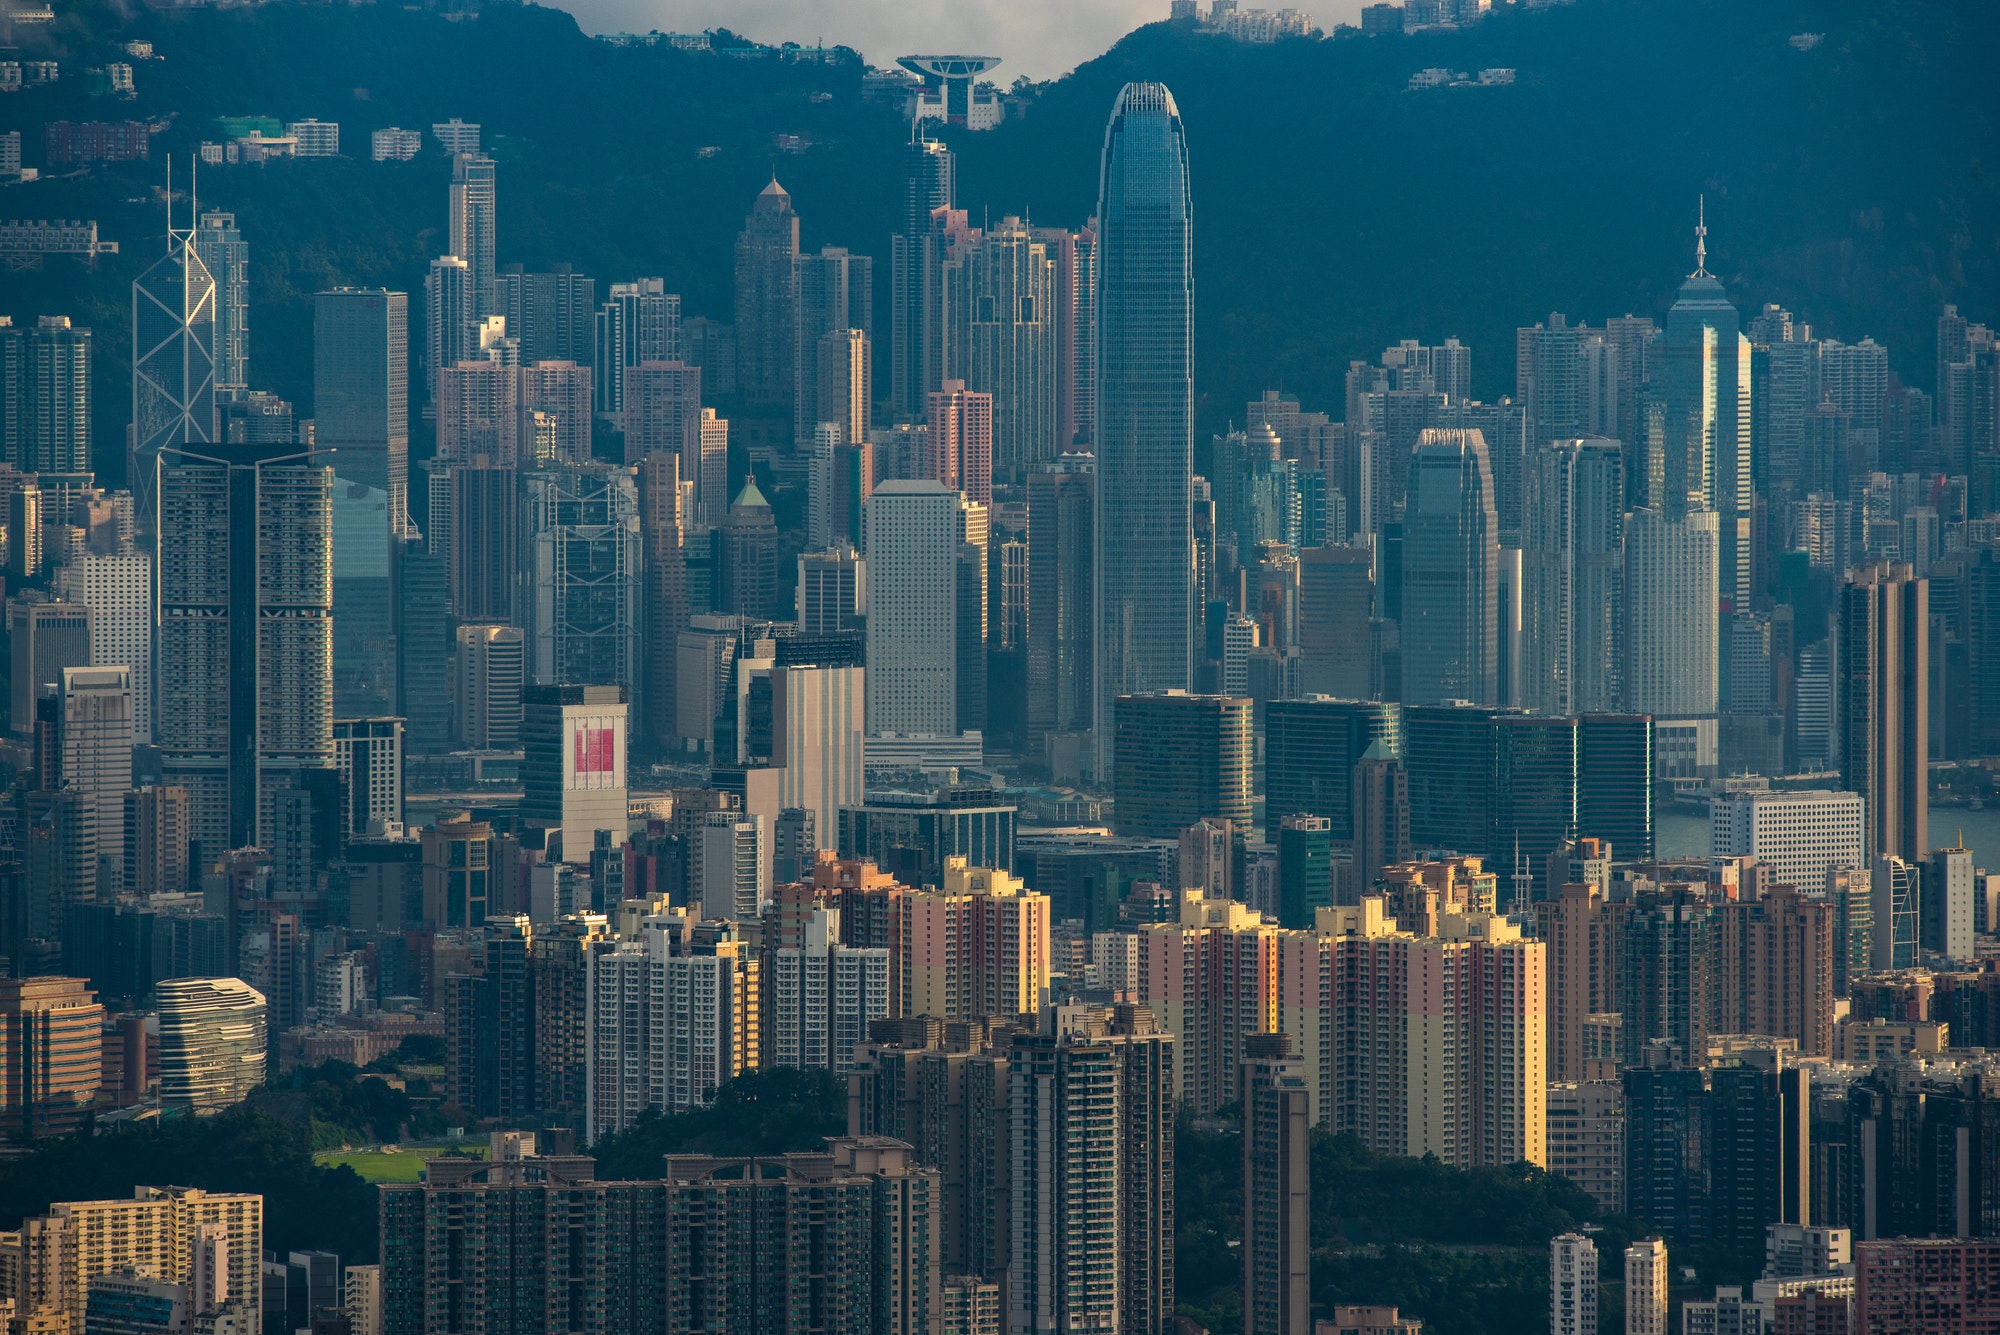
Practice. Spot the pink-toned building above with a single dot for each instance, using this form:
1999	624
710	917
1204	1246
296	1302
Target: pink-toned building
961	441
1927	1286
1210	979
978	947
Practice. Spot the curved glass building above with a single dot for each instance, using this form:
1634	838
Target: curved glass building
211	1042
1145	399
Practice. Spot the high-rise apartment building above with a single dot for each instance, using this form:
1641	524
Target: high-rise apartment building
1572	1285
1144	599
1884	705
245	643
978	945
368	752
917	252
913	542
1177	758
960	442
834	294
1927	1286
823	996
1073	257
94	734
767	298
552	314
212	1242
472	224
1277	1181
1001	331
361	390
56	402
51	1032
226	255
212	1042
1646	1287
490	677
639	322
846	372
1210	978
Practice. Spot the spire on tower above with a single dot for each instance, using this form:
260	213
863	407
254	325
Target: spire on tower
1701	238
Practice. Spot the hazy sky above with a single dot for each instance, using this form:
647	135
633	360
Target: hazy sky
1038	38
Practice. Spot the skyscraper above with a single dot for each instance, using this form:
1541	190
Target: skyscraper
56	404
226	255
1671	641
94	729
640	322
1646	1287
662	534
846	372
916	274
1450	629
473	218
245	645
1000	291
118	590
1178	758
1884	676
361	391
834	292
173	362
581	557
913	542
961	440
1575	557
1701	377
1062	508
766	298
1145	393
211	1042
1277	1243
1572	1285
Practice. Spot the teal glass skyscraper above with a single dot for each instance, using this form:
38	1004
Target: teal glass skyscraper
1145	392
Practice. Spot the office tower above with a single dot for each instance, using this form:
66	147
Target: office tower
1305	868
361	390
368	752
639	322
833	591
423	643
1574	553
1895	896
450	329
1311	746
50	1033
1884	685
766	298
977	946
573	765
1177	758
1572	1285
457	873
26	558
550	313
1073	258
735	851
961	441
823	996
1614	781
1646	1287
916	326
94	738
1277	1244
818	733
1380	828
1672	651
1799	835
581	557
16	419
1062	505
1947	917
226	255
1450	605
118	590
474	205
834	294
489	1025
746	557
846	371
44	639
56	403
475	525
173	363
366	543
156	840
1701	377
1144	597
1336	603
235	726
914	841
1000	296
1091	1198
489	679
662	534
974	616
913	541
211	1042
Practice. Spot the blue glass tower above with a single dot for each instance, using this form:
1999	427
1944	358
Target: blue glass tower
1145	396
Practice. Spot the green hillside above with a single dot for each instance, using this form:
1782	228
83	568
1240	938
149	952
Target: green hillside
1336	210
